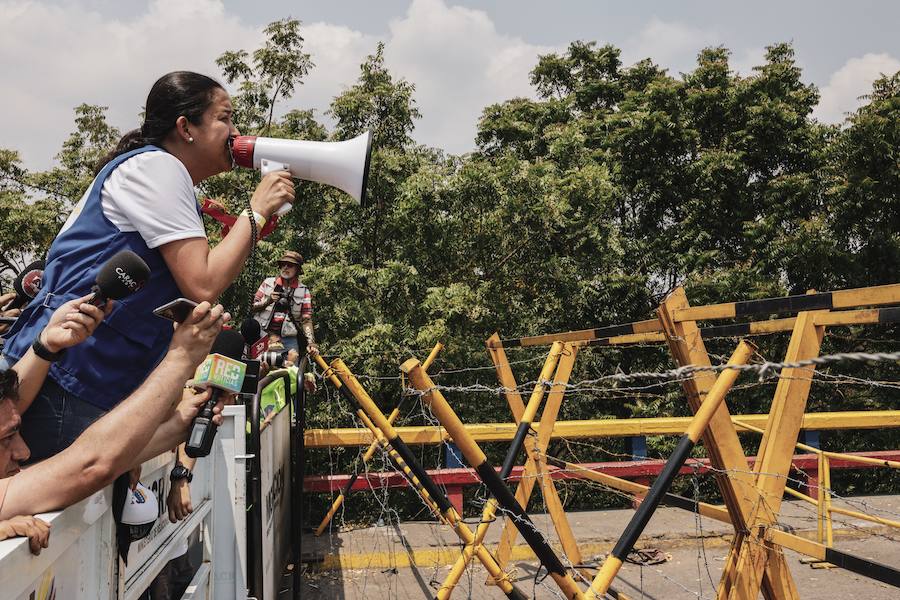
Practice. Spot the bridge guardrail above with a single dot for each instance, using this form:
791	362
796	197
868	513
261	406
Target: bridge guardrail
81	561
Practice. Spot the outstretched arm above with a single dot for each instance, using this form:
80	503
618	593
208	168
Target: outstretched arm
173	430
70	324
109	446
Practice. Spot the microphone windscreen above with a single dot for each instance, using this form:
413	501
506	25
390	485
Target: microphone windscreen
27	284
250	330
228	343
122	275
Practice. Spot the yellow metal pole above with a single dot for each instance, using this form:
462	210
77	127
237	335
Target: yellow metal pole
533	467
370	452
601	428
829	530
490	509
703	416
820	507
718	513
419	476
726	454
801	496
429	502
345	491
751	556
475	457
863	516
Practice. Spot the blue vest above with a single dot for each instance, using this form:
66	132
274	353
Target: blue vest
131	341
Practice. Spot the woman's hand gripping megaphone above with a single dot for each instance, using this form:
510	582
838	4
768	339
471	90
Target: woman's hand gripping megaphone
274	195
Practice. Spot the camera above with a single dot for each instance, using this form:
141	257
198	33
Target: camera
272	359
284	301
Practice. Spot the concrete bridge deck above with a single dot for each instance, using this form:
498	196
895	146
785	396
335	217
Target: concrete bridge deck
409	560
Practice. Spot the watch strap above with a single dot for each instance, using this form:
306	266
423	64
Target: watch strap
181	472
43	352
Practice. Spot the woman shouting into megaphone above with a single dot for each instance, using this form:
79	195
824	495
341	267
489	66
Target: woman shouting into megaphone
142	200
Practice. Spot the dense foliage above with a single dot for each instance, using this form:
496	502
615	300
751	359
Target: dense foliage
580	207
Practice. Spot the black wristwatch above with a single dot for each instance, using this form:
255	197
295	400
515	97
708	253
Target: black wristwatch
43	353
181	472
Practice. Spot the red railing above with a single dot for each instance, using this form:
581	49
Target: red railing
454	480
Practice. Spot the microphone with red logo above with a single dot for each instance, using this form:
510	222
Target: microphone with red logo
256	342
122	275
27	284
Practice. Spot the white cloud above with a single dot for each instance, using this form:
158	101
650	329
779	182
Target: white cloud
749	58
459	64
841	95
669	44
66	56
337	53
455	56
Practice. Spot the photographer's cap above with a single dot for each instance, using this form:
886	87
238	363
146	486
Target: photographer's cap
294	258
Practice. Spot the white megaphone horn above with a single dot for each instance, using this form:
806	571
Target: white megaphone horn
344	165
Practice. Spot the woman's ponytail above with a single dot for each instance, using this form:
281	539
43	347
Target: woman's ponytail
132	140
176	94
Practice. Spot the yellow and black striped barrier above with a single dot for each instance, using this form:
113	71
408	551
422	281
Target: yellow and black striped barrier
339	375
475	457
661	486
650	331
490	509
348	487
867	296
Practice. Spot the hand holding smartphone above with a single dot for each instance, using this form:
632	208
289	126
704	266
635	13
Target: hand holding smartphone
177	310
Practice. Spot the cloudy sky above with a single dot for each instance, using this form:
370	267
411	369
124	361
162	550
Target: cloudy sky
460	54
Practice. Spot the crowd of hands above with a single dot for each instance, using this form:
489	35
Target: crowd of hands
73	323
5	311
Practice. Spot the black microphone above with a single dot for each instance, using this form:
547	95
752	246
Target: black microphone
222	371
27	284
250	331
122	275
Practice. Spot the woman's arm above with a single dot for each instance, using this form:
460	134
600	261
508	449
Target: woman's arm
203	274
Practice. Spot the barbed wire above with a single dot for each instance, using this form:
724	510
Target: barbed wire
702	558
765	370
768	372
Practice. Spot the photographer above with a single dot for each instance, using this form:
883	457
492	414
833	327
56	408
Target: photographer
283	302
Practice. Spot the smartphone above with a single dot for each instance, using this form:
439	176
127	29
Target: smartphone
177	310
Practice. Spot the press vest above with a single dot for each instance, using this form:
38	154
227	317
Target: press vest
130	342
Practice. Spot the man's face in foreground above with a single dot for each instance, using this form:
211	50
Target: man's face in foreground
13	449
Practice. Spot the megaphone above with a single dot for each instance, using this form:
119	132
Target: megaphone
344	165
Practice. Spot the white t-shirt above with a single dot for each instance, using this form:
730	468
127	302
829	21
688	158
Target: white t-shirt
150	193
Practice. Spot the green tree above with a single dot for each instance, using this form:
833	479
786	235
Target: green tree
273	74
864	196
378	103
34	205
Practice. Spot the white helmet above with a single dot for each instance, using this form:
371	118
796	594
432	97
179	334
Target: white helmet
140	512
